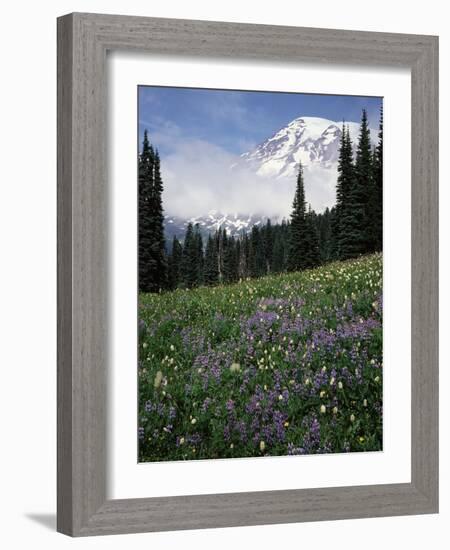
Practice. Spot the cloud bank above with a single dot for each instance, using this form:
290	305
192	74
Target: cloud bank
200	177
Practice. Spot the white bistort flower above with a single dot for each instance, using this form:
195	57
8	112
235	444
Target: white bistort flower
158	379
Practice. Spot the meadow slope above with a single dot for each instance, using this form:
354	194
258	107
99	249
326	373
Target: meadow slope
285	364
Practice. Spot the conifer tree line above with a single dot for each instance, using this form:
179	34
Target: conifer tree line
354	226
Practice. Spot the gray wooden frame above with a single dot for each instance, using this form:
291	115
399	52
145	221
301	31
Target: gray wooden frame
83	41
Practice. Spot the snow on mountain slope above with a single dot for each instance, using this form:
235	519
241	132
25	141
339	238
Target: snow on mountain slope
234	223
309	140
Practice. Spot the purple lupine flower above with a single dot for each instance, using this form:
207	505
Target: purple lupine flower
285	395
206	404
230	405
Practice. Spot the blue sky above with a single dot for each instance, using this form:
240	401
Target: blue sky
237	121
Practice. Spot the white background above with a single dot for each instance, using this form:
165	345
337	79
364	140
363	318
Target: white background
28	272
127	479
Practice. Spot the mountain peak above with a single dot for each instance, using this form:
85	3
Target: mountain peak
309	140
312	141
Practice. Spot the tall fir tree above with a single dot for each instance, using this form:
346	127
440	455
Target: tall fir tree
146	161
363	189
345	221
377	193
297	246
152	255
159	248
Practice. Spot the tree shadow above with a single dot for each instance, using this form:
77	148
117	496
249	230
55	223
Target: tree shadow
46	520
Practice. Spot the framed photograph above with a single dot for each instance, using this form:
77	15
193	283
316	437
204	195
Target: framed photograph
247	274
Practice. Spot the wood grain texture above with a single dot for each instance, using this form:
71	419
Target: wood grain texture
425	272
83	41
64	276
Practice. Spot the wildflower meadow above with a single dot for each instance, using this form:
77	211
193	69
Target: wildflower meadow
286	364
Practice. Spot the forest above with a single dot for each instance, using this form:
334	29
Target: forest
352	228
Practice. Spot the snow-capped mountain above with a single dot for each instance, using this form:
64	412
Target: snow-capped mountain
234	224
312	141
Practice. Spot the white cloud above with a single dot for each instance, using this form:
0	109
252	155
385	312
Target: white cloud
198	177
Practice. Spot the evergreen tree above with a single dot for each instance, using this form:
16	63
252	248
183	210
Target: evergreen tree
285	232
152	255
219	247
323	224
362	190
268	245
223	246
311	238
159	248
341	188
279	251
199	259
230	261
174	262
244	251
256	256
351	209
334	248
189	269
345	224
146	161
211	271
237	258
377	196
297	251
